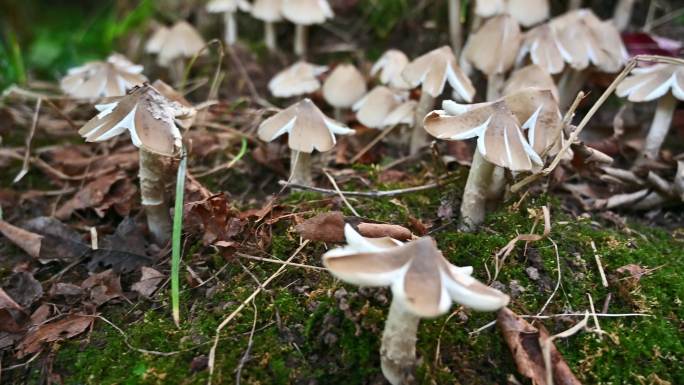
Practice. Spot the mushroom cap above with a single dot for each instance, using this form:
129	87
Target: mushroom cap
103	79
372	109
221	6
529	12
308	128
156	41
489	8
146	114
170	93
307	12
297	79
542	45
530	76
494	47
498	127
649	83
390	65
181	40
434	69
267	10
402	114
344	86
417	273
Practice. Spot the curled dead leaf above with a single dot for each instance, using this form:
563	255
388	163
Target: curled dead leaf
70	326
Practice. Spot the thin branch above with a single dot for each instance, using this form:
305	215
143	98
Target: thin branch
370	194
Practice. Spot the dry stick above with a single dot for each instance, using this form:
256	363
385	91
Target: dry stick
369	194
27	152
245	357
128	344
372	143
231	316
593	315
547	343
604	281
555	289
575	134
337	189
271	260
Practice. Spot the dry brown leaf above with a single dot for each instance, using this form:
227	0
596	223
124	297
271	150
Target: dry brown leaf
25	240
329	227
103	286
149	282
98	195
64	328
214	218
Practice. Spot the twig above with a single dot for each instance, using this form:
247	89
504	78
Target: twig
565	315
372	143
593	315
29	138
370	194
604	281
548	342
555	290
245	357
128	344
271	260
226	166
337	190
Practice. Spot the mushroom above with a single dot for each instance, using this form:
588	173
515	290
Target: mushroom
344	86
298	79
173	44
498	127
98	79
526	12
541	43
269	11
423	282
189	119
455	28
309	129
433	70
228	9
383	107
622	14
664	82
149	118
530	76
390	65
304	13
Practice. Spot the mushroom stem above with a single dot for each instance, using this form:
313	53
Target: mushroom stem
569	85
231	28
477	188
337	113
622	14
455	26
270	36
398	349
574	4
177	71
419	137
300	40
300	168
497	185
659	127
152	192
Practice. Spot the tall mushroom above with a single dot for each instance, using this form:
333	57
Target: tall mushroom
390	66
174	44
268	11
308	129
149	118
228	8
623	13
298	79
432	70
344	86
98	79
424	284
498	127
664	82
304	13
383	107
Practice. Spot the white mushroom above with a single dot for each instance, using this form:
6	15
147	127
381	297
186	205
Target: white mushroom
174	44
344	86
98	79
304	13
268	11
228	8
383	107
530	76
390	65
298	79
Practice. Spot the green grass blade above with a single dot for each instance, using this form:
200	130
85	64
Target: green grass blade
176	239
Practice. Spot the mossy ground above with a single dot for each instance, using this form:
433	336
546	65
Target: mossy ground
311	328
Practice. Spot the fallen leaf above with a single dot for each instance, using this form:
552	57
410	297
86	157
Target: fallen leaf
12	315
103	287
97	195
26	240
380	230
24	289
214	218
70	326
124	251
65	289
633	270
149	282
329	227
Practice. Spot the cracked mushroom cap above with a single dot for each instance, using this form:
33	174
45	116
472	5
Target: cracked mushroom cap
298	79
530	76
494	47
417	273
374	109
181	40
344	87
267	10
103	78
221	6
307	12
541	43
146	114
390	65
434	69
499	126
584	39
308	128
170	93
649	83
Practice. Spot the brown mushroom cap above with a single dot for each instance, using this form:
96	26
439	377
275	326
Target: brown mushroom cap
434	69
494	47
344	87
103	79
649	83
267	10
530	76
541	44
170	93
298	79
307	12
308	128
372	109
181	40
221	6
390	65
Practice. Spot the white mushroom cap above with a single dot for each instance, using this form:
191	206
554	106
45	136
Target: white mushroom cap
390	65
267	10
420	278
529	12
182	40
434	69
221	6
146	114
402	114
541	43
530	76
156	41
374	108
494	47
297	79
344	86
489	8
307	12
103	79
649	83
308	128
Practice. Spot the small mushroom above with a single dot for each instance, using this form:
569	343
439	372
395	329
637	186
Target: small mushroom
174	44
308	129
432	70
344	86
390	65
424	284
228	8
298	79
304	13
498	127
149	118
268	11
98	79
622	14
530	76
664	82
541	43
383	107
526	12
